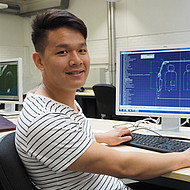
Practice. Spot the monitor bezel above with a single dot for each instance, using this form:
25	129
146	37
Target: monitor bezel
145	114
20	82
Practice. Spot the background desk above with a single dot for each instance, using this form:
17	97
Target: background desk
179	179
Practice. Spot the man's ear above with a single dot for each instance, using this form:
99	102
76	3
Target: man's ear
38	61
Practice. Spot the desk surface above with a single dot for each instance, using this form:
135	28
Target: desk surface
100	125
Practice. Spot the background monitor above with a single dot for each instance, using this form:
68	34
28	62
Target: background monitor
11	92
154	82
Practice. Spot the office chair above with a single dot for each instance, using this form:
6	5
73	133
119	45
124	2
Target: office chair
105	99
13	175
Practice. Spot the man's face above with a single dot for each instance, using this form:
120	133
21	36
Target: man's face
65	62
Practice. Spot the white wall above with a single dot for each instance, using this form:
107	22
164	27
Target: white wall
14	43
152	22
138	23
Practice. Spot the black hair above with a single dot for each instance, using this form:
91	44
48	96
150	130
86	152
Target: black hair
53	19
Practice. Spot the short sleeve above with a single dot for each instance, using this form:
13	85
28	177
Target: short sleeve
57	141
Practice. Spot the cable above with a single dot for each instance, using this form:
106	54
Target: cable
146	120
148	130
118	125
137	123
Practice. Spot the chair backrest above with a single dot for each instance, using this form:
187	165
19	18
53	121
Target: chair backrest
105	98
13	175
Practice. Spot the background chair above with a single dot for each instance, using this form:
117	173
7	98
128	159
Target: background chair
13	175
105	99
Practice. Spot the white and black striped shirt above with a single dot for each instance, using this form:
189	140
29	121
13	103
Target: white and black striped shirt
50	136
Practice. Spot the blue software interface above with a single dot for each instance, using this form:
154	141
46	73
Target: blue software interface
156	81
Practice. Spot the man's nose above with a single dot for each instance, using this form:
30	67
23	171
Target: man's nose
75	59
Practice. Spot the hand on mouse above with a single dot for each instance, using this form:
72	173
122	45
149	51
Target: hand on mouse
115	136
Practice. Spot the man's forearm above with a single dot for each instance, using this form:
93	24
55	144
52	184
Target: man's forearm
101	137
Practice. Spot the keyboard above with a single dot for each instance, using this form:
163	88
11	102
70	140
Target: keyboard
157	143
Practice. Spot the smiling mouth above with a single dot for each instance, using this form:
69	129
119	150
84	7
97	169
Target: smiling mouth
75	72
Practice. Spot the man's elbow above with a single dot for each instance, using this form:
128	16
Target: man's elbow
129	173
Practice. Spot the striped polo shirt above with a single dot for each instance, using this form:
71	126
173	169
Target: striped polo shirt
50	136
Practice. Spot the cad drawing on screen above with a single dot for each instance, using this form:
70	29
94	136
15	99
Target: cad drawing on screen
11	87
154	82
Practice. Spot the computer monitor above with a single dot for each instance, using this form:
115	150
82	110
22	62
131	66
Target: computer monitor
154	82
11	91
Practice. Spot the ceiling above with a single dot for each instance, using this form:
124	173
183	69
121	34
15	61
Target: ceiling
31	7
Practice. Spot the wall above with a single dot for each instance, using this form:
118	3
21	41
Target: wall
152	22
15	42
138	23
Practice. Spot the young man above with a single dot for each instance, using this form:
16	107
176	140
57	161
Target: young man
54	139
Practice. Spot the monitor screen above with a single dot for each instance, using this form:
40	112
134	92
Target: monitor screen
154	82
10	84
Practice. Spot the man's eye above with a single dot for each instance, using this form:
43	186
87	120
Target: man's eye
62	52
82	51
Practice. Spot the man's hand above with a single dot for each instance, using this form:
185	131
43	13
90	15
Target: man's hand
115	136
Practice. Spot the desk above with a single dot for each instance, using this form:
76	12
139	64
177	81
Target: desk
87	101
14	120
179	178
85	93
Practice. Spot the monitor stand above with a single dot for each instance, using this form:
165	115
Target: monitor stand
171	127
171	124
9	110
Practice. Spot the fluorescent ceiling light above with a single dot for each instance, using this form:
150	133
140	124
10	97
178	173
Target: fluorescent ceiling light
113	0
3	6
